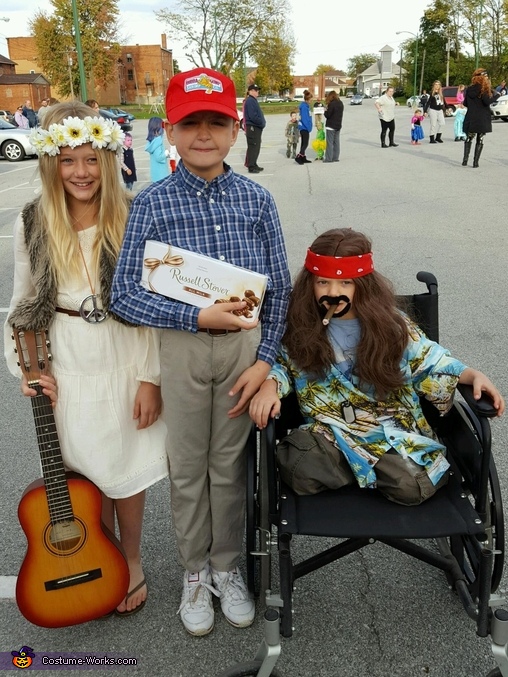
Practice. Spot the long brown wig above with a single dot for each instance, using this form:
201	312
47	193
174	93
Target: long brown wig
481	78
384	333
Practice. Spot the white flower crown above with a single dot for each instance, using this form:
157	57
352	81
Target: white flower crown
75	132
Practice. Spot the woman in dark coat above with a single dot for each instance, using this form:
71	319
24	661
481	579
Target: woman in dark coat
333	114
479	96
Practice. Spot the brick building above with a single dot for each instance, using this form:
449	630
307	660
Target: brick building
318	85
141	74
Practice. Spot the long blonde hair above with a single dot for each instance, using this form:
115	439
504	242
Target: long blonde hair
63	242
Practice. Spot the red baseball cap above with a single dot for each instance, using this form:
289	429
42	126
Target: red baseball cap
200	89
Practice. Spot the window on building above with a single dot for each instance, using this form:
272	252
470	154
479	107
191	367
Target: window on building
130	74
129	58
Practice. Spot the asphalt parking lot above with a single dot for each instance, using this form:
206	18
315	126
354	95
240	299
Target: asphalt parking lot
377	613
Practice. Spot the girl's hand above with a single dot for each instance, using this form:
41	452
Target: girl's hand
265	404
48	385
147	404
482	384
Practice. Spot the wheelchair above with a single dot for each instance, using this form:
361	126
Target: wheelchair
459	530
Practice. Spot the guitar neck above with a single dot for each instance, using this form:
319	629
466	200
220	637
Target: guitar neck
53	470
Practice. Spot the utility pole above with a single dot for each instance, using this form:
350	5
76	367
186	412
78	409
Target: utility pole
447	60
79	52
423	69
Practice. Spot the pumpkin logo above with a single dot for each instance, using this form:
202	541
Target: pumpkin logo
23	658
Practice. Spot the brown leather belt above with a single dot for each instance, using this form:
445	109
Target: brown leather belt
67	311
219	332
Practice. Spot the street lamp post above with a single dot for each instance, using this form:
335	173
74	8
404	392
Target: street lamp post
416	57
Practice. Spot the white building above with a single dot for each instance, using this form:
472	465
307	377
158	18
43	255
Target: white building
381	73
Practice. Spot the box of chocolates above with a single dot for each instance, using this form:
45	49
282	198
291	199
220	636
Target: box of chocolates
201	280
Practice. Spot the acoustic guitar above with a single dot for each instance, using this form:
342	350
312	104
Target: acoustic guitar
74	569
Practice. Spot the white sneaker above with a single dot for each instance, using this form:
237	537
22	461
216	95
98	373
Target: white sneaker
196	609
235	601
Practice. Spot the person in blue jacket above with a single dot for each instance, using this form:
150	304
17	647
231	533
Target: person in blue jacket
155	147
305	126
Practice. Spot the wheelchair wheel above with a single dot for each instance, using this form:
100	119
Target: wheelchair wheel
466	549
248	670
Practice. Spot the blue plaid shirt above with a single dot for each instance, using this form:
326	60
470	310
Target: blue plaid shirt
230	218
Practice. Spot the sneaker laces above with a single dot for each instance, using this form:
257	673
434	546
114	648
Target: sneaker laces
195	595
232	585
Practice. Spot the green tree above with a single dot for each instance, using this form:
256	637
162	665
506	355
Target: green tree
219	33
273	51
323	68
357	64
55	41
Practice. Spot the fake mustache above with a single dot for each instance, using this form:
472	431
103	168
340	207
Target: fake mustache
333	301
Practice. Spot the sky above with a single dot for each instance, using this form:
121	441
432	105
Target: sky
324	36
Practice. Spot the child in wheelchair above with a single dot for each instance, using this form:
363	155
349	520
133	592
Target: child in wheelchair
358	366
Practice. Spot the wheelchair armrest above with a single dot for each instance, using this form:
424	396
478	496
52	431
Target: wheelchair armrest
482	407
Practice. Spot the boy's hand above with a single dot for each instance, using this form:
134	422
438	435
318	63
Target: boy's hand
248	382
265	404
48	385
147	404
482	384
220	316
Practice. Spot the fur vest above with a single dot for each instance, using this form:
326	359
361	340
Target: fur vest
37	313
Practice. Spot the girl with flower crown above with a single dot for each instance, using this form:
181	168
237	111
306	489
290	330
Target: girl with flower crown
105	383
357	365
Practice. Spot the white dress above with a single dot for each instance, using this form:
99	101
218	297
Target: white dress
98	368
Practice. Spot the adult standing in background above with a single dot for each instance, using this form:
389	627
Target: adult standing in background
305	126
479	96
30	114
20	119
435	108
43	110
333	115
385	106
254	123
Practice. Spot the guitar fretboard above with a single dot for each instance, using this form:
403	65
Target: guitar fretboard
53	470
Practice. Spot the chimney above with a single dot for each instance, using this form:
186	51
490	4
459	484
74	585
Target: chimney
164	41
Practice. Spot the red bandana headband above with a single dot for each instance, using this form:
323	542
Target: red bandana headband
339	267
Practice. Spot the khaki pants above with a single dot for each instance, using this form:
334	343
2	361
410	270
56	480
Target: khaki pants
205	447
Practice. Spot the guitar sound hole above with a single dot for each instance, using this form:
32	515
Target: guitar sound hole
66	537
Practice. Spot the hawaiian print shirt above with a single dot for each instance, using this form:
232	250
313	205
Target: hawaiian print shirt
364	428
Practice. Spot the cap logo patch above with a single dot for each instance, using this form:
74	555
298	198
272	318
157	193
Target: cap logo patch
203	82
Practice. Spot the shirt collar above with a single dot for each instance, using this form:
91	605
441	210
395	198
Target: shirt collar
196	184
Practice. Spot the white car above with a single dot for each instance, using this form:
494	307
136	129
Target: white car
499	108
14	142
413	102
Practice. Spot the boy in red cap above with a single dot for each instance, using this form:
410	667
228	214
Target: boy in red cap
210	367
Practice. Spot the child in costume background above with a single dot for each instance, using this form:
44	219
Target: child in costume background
292	135
458	124
127	163
155	147
416	127
319	143
358	378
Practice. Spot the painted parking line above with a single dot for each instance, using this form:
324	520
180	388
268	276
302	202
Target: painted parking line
8	587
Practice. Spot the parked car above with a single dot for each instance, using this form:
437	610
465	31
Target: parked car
274	98
119	111
7	116
499	108
356	100
14	142
413	102
122	120
450	95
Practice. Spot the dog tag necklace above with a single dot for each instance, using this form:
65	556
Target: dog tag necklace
93	314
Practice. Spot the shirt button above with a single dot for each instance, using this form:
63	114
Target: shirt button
223	192
222	258
212	200
217	227
198	193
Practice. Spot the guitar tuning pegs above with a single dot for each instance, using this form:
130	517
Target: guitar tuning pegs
50	357
16	350
19	365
